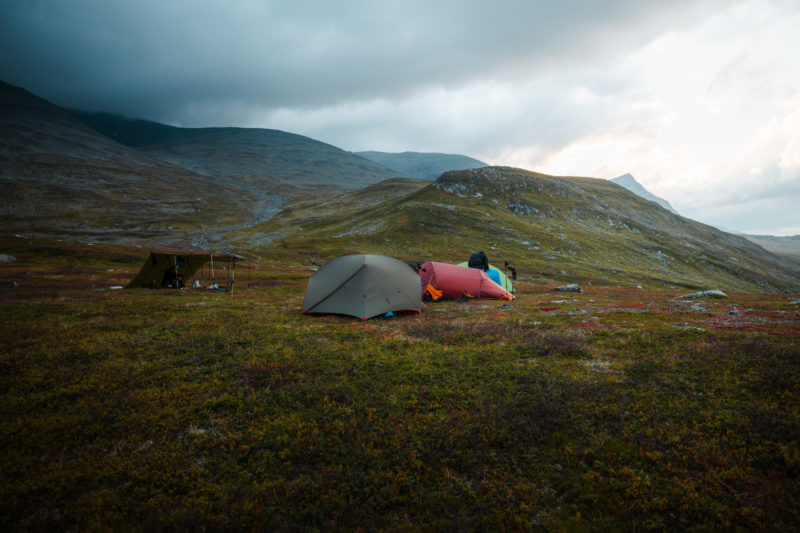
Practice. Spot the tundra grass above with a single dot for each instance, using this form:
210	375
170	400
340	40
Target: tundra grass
613	409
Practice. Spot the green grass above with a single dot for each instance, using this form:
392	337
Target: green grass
614	409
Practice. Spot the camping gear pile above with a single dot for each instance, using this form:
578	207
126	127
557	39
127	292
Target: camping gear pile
369	285
498	276
442	280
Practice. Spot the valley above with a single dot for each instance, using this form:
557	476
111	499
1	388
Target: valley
634	404
97	177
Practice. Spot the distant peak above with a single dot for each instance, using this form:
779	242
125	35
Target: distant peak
630	183
625	178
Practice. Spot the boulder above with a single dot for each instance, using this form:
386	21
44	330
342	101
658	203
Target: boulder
572	287
713	293
5	258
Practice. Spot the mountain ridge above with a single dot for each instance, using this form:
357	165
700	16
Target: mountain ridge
788	245
57	175
555	227
61	178
272	160
422	165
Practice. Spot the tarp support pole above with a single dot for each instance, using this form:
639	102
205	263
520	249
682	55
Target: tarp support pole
232	271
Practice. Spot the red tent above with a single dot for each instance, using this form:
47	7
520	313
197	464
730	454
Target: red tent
456	281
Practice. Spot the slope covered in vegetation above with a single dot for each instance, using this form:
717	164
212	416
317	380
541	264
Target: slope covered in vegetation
551	228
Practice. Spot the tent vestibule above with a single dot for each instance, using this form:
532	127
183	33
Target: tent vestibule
175	269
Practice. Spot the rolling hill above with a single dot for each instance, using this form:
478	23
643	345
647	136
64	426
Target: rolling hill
282	195
105	177
777	245
60	177
271	161
424	166
550	228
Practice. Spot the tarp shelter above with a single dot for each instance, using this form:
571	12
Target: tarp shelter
363	286
163	269
456	281
498	276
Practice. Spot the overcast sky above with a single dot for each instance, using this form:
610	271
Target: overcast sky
699	100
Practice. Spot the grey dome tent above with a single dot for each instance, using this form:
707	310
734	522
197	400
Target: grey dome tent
363	286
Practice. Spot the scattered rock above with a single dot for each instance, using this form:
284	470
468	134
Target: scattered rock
572	287
689	327
713	293
5	258
522	207
599	366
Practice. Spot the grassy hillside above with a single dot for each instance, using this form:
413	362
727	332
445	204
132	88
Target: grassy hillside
296	226
551	228
59	177
613	410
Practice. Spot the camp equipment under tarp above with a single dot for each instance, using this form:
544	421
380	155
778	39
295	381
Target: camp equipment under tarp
456	281
498	276
363	286
174	269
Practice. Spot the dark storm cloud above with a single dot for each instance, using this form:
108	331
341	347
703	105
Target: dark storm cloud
157	59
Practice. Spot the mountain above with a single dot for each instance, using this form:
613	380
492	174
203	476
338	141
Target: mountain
281	195
58	176
271	161
777	245
102	176
630	183
551	228
424	166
